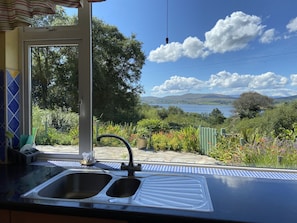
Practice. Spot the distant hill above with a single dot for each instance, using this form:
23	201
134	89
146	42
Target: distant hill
190	99
218	99
285	99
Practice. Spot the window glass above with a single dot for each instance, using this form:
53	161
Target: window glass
64	17
218	80
55	107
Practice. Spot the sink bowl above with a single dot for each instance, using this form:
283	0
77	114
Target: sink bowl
76	186
124	187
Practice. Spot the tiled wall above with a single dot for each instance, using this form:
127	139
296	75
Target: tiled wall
2	115
13	81
9	107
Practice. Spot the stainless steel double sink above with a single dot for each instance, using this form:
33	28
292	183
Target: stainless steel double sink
148	189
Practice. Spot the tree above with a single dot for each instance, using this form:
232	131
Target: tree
174	110
216	117
280	119
250	104
55	77
55	68
117	64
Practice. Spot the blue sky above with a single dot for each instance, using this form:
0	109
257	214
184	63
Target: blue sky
215	46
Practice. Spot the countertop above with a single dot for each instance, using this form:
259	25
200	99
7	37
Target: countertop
234	198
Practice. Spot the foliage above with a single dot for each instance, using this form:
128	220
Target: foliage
250	104
185	140
189	138
268	140
125	130
228	150
216	117
271	153
117	64
260	152
149	126
59	18
283	117
58	126
272	123
54	68
149	112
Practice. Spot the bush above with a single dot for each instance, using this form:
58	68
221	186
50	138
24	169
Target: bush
184	140
125	131
228	150
146	127
53	137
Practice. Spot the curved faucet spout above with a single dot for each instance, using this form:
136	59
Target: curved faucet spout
130	167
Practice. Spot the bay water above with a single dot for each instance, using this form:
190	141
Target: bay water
227	110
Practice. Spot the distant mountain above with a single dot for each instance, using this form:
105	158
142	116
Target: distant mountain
285	99
219	99
190	99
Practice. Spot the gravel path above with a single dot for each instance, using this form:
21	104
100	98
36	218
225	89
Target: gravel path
120	153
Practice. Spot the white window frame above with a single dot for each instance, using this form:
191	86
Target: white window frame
80	35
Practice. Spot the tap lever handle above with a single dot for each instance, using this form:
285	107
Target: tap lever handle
131	168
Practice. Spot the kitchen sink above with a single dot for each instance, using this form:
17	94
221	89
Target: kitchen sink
76	186
124	187
146	189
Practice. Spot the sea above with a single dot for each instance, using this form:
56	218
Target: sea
227	110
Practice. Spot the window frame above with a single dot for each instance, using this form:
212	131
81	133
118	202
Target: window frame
79	35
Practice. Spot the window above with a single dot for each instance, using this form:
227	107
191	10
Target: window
55	61
192	68
213	56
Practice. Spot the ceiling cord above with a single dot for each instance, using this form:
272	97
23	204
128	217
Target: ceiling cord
167	39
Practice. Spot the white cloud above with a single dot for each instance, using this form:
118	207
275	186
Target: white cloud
177	85
292	25
267	83
268	36
293	78
166	53
191	47
233	33
194	48
278	92
268	80
228	80
234	80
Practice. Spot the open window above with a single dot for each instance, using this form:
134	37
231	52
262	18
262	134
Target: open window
57	84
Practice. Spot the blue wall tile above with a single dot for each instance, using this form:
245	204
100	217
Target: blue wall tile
13	105
2	115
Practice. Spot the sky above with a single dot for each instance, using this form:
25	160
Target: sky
215	46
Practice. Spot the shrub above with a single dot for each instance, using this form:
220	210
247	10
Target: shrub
152	125
160	141
270	152
189	138
228	150
185	140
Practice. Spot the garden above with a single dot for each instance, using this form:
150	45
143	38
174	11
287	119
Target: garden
266	140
